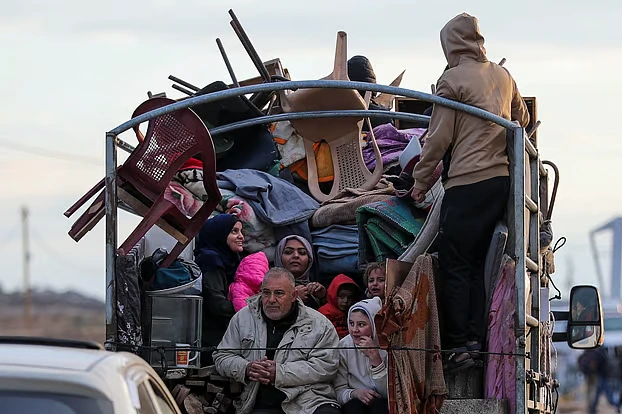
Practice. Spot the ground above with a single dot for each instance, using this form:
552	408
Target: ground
57	315
574	403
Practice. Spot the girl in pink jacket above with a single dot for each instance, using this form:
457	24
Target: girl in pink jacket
248	278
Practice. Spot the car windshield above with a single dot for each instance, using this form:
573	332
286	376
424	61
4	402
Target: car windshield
25	402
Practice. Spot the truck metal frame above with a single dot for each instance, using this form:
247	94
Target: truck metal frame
534	383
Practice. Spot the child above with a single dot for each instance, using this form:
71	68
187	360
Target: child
247	279
361	382
342	293
374	277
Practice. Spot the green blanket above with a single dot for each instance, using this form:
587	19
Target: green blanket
387	228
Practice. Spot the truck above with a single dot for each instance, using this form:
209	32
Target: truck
529	208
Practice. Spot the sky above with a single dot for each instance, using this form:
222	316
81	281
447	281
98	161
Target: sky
71	70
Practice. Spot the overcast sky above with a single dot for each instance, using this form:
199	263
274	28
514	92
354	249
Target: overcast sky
71	70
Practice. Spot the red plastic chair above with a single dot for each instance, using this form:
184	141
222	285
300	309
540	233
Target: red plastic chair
170	141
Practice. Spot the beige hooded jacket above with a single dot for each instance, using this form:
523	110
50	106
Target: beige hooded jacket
478	147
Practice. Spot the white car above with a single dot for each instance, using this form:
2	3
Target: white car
71	377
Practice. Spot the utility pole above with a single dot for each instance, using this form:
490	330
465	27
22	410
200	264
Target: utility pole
26	269
615	283
570	274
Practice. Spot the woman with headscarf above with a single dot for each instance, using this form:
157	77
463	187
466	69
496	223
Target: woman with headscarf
295	254
216	252
362	379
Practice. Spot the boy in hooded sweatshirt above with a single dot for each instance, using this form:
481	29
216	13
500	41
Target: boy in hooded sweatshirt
247	279
342	293
475	177
361	382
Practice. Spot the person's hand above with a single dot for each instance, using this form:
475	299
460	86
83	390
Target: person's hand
316	289
255	371
418	195
372	354
365	395
269	366
303	292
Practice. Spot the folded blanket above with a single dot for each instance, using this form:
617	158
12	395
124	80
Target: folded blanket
387	228
182	198
342	208
337	249
274	200
428	232
391	143
192	179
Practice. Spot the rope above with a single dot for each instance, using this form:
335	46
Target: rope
163	361
162	349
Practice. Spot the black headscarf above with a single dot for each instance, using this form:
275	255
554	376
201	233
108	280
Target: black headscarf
360	70
211	249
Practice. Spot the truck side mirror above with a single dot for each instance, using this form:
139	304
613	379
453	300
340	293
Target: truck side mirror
585	329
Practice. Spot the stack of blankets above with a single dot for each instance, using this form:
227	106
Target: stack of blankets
387	228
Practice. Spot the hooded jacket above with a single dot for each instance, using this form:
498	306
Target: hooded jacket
330	309
248	278
218	264
306	276
475	148
355	370
304	376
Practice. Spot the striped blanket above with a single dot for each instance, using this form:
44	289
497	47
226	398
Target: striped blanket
387	228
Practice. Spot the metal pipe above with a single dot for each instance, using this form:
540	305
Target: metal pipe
268	119
110	190
182	89
184	83
531	265
227	63
543	171
533	258
551	164
125	146
250	49
331	84
516	147
531	150
532	322
271	105
531	205
534	128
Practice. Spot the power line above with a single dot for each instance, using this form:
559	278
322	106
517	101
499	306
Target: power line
48	153
58	256
10	235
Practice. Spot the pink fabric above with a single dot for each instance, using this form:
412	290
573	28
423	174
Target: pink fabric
501	369
248	279
182	198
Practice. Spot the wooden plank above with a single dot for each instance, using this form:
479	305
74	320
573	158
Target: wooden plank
193	405
181	395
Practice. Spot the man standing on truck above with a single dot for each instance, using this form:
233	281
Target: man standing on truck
475	177
296	378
